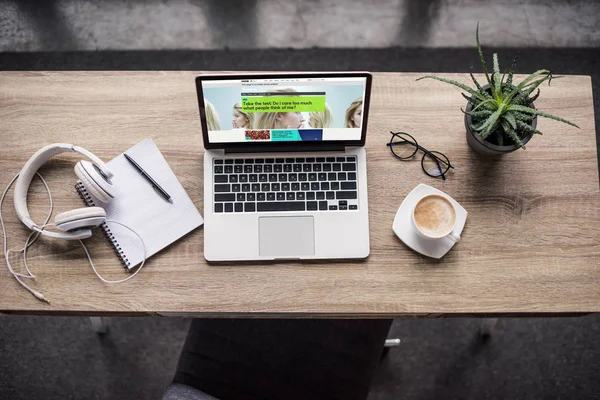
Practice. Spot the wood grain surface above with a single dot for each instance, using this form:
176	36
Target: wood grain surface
531	243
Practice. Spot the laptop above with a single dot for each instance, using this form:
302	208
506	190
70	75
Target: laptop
285	173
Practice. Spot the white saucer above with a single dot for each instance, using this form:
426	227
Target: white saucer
403	226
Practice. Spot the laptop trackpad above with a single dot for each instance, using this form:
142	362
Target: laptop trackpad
286	237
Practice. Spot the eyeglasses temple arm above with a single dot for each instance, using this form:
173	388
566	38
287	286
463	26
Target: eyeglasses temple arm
440	168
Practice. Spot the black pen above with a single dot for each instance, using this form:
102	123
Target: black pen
155	185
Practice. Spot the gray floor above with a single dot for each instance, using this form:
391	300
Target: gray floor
53	25
63	358
527	358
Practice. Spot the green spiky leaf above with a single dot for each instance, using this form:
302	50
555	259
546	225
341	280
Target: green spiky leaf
511	70
522	97
489	103
513	135
526	82
540	113
534	98
510	118
491	123
527	128
496	63
473	101
524	117
477	85
481	57
497	79
455	83
503	82
478	114
469	99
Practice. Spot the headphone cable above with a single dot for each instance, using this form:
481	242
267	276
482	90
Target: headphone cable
35	235
28	242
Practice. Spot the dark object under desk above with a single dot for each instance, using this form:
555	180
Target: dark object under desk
282	359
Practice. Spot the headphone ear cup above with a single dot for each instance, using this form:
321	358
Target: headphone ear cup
94	182
80	218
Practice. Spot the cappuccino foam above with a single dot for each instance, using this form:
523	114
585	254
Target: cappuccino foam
435	216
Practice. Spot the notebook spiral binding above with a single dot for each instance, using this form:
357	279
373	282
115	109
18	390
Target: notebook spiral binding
89	201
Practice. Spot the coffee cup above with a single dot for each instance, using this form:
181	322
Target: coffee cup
434	217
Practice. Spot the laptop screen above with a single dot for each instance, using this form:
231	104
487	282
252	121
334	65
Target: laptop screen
284	108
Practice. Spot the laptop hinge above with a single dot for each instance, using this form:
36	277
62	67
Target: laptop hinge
284	149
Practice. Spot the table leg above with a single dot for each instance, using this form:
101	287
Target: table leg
100	325
387	345
487	326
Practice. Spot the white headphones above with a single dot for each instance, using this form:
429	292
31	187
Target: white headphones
74	224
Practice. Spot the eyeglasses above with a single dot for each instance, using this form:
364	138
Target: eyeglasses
404	147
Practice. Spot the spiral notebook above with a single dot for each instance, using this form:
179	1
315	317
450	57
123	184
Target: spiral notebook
140	207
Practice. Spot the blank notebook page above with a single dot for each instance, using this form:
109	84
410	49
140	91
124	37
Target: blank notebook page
138	205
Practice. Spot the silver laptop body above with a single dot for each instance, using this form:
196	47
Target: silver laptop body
285	173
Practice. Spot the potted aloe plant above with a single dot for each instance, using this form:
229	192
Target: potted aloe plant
500	116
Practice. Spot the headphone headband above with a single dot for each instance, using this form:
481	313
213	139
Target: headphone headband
26	176
92	157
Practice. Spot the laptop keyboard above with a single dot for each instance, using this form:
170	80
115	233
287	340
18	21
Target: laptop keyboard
285	184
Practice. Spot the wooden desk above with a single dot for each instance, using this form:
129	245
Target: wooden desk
531	243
